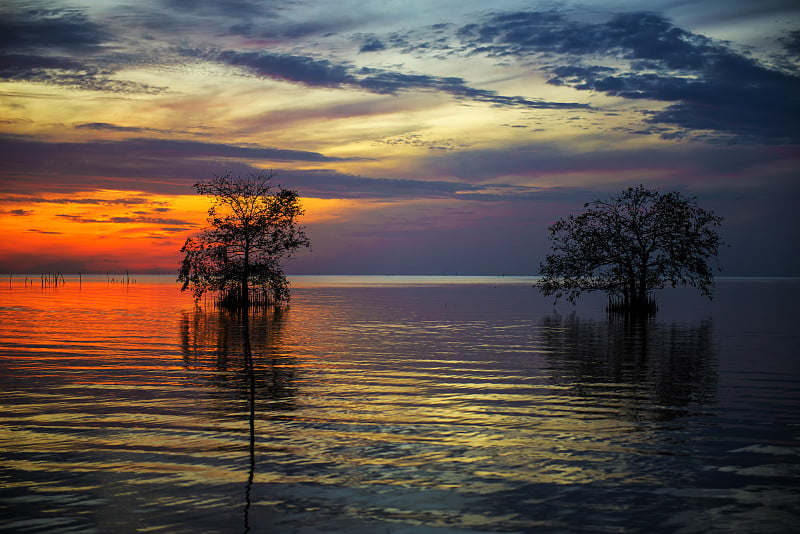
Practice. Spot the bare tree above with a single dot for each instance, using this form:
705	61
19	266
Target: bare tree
630	245
252	228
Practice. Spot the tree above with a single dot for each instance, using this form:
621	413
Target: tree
252	229
630	245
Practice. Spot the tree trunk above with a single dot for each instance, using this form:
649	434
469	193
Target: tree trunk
641	293
630	296
245	296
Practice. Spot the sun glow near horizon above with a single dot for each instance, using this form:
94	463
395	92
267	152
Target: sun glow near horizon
104	230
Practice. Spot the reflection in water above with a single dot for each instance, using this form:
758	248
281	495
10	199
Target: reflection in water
662	370
251	379
215	343
447	409
234	336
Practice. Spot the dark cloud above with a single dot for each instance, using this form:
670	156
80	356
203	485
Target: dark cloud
331	184
253	19
127	220
172	167
192	149
791	42
58	70
712	86
471	174
370	43
394	82
164	166
525	33
114	158
18	212
296	69
87	78
235	8
62	30
60	47
104	126
128	201
673	163
13	65
325	183
322	73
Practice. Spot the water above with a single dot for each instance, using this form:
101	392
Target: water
397	405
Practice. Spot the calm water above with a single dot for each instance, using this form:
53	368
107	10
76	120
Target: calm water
397	405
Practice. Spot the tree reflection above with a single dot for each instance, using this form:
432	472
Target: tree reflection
214	346
239	355
655	370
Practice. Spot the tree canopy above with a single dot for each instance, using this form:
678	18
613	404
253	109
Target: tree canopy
630	245
252	229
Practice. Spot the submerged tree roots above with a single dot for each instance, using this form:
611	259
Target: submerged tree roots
625	306
232	300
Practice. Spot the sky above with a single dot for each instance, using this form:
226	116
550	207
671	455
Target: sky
424	137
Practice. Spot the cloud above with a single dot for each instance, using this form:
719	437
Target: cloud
260	21
231	8
792	43
104	126
87	78
385	82
292	68
559	165
167	166
418	141
59	70
67	73
128	201
637	56
712	87
324	183
56	29
60	47
176	148
315	72
127	220
18	212
171	167
370	43
523	173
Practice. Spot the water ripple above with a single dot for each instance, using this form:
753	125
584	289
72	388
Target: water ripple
442	409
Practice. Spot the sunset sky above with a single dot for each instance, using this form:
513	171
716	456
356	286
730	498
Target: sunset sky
424	137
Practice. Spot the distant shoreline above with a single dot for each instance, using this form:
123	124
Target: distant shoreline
367	279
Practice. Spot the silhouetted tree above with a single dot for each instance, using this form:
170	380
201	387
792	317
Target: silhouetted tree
252	229
630	245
